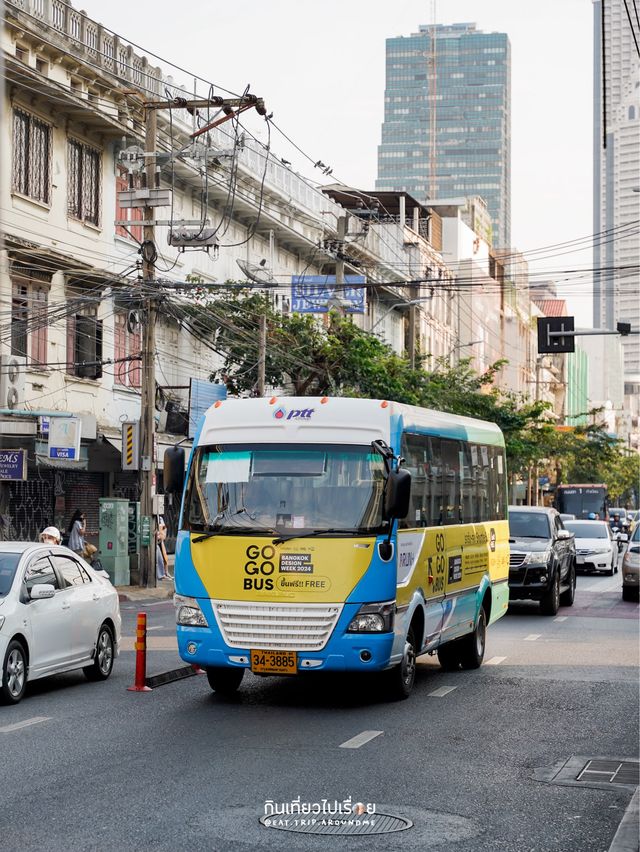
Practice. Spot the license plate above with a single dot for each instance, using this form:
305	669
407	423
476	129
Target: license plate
274	662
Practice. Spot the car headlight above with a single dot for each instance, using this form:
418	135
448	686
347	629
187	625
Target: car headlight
373	618
600	551
539	557
188	612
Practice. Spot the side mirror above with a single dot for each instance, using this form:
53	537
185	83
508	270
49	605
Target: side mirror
41	591
173	470
564	534
397	494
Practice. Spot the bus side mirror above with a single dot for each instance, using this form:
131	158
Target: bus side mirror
173	471
397	494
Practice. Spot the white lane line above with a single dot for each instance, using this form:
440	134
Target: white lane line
561	618
361	739
156	627
532	637
494	661
7	729
442	691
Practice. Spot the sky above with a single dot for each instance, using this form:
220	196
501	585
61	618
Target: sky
320	68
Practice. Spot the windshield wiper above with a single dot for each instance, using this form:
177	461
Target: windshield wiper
282	538
237	530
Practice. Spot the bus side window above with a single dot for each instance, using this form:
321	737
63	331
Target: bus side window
451	481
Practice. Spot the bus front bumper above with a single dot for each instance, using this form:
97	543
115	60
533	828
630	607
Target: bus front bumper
357	652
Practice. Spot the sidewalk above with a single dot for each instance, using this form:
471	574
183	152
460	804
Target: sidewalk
163	590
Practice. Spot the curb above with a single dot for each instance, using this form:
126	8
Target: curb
626	837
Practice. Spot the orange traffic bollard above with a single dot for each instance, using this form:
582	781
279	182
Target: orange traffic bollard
140	684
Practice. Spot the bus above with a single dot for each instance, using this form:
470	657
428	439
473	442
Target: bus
335	534
583	500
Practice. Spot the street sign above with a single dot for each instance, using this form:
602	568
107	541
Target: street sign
64	438
13	465
145	531
131	445
312	294
550	339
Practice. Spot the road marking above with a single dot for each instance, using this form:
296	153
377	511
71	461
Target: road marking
561	618
7	729
361	739
495	661
154	643
157	627
442	691
532	637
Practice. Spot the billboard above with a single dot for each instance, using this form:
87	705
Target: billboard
310	294
13	465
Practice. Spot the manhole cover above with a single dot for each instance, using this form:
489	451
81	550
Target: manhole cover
610	771
370	824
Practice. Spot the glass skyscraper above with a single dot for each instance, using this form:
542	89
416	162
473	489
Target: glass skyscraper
447	116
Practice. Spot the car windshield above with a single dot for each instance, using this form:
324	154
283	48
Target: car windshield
528	525
636	534
8	565
585	529
248	489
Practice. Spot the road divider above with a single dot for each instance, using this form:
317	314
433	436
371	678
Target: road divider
142	683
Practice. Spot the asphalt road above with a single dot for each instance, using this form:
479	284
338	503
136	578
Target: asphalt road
467	758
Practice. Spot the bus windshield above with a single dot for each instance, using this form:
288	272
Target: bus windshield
253	488
582	501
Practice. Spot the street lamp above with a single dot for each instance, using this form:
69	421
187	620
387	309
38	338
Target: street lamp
398	305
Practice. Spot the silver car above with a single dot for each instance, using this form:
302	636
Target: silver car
56	614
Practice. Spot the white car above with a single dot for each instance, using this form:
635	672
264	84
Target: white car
56	614
596	550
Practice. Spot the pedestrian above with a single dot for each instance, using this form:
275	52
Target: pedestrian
50	535
77	529
162	562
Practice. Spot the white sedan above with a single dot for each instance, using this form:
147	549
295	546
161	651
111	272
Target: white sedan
56	614
596	549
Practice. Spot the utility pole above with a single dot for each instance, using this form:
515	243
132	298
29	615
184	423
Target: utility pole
262	350
148	402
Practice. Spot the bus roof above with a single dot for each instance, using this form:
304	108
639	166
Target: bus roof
337	420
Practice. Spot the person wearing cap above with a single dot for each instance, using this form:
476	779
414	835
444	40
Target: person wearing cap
50	535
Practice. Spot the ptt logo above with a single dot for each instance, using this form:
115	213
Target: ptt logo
295	413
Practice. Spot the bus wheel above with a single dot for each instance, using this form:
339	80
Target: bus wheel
400	679
473	644
224	681
449	656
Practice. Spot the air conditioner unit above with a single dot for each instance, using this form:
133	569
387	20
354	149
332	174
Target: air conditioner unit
12	380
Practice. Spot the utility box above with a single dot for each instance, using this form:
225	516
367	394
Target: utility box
114	538
134	541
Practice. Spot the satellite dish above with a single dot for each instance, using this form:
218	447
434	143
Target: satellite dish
258	272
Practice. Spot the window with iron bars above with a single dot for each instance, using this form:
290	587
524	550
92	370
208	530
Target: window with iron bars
29	315
31	156
84	182
84	343
127	343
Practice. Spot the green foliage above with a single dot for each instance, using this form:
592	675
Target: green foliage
306	357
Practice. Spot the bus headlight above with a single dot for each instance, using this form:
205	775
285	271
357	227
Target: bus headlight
373	618
188	612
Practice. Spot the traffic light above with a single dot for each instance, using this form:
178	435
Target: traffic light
550	340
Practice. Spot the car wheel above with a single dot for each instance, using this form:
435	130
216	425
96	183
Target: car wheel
472	646
102	665
14	673
224	681
400	679
629	594
550	602
567	597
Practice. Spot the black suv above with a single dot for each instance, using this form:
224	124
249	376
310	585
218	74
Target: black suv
542	561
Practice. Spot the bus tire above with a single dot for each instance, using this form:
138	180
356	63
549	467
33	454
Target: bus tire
449	656
472	646
401	678
224	681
